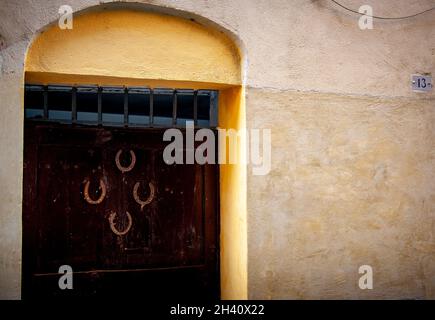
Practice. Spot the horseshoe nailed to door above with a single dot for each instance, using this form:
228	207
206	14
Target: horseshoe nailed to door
112	224
130	166
88	198
150	198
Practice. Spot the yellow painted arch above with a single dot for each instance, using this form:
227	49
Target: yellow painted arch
139	48
136	45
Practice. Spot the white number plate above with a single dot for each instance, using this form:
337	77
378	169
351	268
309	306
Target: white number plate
421	83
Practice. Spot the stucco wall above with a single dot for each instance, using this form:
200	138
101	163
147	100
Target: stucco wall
351	184
351	181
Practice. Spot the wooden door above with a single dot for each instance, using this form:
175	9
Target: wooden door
103	202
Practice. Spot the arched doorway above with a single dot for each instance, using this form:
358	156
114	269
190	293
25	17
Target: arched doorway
134	48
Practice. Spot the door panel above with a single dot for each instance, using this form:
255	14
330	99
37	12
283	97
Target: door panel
156	226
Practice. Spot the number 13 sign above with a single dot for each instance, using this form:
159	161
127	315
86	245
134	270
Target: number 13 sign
421	83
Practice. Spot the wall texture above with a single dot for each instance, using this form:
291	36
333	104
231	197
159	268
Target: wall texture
351	184
352	146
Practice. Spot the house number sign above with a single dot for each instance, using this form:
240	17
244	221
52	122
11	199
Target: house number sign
421	83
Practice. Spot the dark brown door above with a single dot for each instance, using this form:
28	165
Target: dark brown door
103	201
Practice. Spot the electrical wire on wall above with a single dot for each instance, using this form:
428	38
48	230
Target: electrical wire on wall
379	17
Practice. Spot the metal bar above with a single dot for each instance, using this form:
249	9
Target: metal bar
213	109
125	107
195	107
100	106
106	271
176	93
74	104
151	107
45	94
174	107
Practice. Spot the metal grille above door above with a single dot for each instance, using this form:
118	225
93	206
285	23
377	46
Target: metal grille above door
121	106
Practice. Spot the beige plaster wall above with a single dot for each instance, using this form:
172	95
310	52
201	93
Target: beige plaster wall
351	181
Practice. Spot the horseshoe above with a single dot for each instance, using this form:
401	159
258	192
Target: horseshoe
131	165
88	197
112	224
150	197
